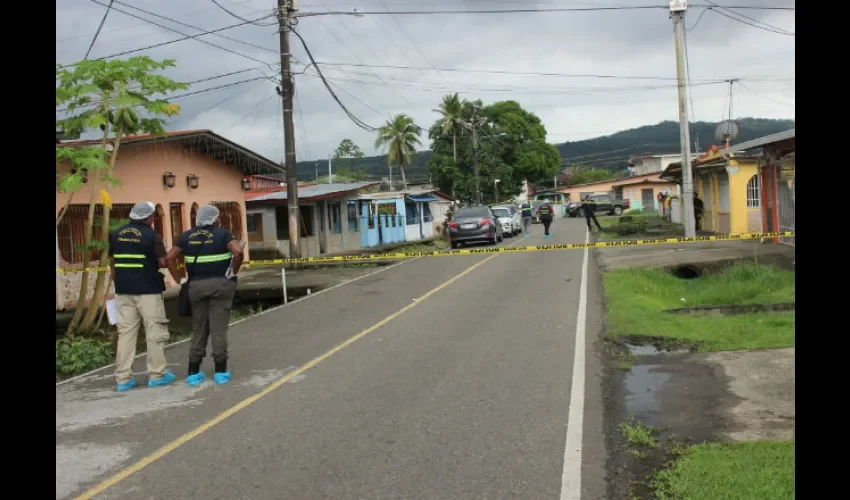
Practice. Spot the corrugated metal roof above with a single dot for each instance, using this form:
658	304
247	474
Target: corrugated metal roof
316	191
761	141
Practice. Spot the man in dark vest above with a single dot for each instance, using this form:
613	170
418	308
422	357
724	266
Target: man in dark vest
588	206
213	258
137	253
546	213
527	213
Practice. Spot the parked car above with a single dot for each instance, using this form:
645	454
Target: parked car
603	203
509	218
474	224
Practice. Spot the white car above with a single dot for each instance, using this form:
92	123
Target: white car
509	218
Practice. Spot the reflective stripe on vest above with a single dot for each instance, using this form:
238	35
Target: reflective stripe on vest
209	258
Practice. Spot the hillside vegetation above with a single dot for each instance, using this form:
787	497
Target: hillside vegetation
610	152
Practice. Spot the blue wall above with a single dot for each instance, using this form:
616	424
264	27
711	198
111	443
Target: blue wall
391	227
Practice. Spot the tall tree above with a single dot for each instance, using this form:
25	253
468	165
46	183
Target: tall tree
347	151
110	96
451	119
399	136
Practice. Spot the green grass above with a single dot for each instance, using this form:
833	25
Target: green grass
761	470
636	299
639	434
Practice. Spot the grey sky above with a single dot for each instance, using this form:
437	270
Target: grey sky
623	43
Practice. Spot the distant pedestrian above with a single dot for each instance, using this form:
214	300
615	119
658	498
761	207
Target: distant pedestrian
546	213
527	214
588	206
213	258
698	210
136	254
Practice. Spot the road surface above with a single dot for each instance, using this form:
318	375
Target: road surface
438	378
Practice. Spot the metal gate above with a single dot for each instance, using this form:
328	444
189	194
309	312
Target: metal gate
785	197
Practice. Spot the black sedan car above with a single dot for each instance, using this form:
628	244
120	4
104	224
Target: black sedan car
474	225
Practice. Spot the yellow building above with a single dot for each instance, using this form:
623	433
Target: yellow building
730	191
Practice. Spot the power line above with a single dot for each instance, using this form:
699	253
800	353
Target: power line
765	27
357	121
99	27
254	108
184	34
210	108
506	72
751	19
765	97
222	7
175	21
514	11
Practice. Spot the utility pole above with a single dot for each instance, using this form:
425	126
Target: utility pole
475	163
316	168
330	173
286	10
677	13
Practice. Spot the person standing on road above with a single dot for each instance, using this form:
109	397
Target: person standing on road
213	258
589	209
527	213
546	214
136	254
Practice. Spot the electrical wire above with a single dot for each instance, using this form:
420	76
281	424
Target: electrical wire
175	21
765	97
764	28
751	19
99	27
217	104
506	72
184	34
253	108
514	11
357	121
222	7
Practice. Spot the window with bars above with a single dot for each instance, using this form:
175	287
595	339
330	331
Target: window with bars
230	216
754	192
335	217
305	220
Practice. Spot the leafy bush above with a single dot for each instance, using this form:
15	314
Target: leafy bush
78	355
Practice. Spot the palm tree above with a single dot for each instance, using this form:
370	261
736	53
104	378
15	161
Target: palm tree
400	136
451	118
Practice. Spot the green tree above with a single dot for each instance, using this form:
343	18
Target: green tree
119	97
399	136
583	174
346	152
451	119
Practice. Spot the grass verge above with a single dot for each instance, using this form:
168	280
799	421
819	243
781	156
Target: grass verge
731	471
637	298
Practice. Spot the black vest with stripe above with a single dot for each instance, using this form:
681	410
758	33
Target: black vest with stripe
527	211
136	267
206	252
546	212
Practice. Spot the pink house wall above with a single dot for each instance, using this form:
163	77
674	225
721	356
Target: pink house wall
140	169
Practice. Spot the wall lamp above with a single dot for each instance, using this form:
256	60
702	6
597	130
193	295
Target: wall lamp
169	179
192	181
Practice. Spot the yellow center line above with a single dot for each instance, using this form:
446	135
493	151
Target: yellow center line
221	417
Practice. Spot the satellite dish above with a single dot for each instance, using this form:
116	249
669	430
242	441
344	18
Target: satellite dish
726	131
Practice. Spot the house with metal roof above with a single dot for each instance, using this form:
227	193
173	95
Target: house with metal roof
338	218
178	172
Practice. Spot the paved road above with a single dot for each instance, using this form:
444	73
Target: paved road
453	381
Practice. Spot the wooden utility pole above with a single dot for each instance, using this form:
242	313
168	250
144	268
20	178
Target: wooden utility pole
284	16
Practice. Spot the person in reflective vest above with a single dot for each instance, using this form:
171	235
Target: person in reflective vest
136	254
527	214
213	257
546	213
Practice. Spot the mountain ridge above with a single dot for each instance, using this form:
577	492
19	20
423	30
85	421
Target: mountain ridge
610	152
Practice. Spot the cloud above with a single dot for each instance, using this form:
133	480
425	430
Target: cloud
623	43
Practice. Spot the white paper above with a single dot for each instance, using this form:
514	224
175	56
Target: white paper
112	312
229	273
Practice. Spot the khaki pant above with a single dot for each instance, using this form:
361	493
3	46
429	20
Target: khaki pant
132	311
211	301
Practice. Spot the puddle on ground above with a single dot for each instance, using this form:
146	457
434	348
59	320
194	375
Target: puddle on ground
644	386
649	349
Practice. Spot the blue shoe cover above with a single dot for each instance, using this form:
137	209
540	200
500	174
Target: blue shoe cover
126	386
222	378
164	380
195	379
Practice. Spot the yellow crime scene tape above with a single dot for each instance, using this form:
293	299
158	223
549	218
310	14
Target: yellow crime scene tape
475	251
